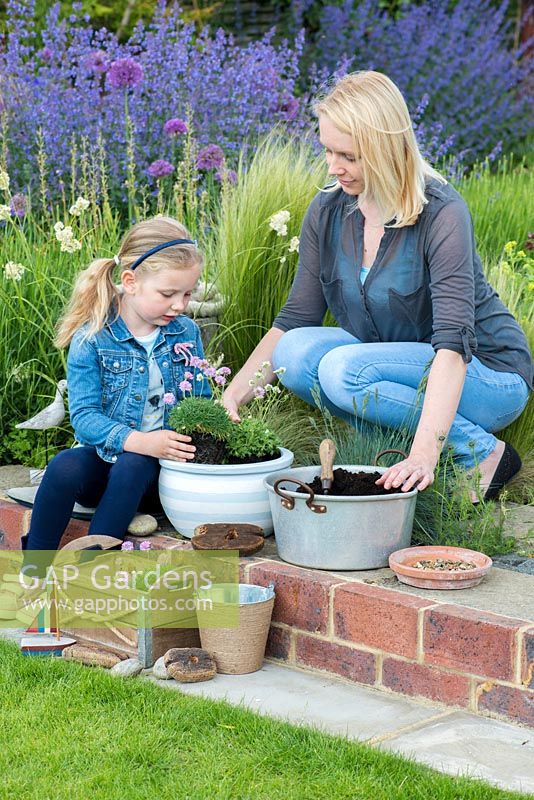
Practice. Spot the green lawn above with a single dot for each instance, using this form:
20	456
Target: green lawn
77	732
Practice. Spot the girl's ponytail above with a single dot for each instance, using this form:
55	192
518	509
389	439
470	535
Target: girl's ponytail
92	297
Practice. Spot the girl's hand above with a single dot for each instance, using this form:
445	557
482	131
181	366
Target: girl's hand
231	406
416	470
161	444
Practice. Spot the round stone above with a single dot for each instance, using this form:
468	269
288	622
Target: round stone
159	670
142	525
128	668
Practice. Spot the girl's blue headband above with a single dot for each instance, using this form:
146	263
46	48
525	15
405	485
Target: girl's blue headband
161	247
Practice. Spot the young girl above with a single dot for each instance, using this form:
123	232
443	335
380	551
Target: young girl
128	347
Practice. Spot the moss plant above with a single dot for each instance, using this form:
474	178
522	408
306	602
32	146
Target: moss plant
201	415
252	438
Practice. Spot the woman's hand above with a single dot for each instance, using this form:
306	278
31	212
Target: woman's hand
231	406
161	444
416	470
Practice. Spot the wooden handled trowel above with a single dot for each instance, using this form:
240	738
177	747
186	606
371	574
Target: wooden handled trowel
327	454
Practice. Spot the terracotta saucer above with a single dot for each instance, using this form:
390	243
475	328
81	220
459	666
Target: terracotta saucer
401	562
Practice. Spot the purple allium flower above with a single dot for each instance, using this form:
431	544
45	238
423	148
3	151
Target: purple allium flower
210	372
18	206
185	386
160	168
173	127
169	399
228	175
46	54
210	157
125	73
127	546
145	545
96	62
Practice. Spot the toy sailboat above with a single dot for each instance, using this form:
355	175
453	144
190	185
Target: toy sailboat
46	638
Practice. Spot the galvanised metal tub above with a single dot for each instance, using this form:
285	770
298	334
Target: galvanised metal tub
329	532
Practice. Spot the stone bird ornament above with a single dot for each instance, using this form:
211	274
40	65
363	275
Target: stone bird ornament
49	417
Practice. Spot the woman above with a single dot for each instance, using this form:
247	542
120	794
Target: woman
389	249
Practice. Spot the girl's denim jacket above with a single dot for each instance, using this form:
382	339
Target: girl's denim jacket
107	376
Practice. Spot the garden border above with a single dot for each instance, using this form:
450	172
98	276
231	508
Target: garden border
377	636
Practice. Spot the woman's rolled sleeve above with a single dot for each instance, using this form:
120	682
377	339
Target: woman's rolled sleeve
450	251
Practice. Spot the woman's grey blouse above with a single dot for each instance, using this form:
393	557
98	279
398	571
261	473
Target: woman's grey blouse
426	284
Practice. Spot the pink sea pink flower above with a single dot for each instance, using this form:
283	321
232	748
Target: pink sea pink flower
169	399
185	386
127	546
145	545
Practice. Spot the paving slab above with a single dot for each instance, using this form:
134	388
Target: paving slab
450	741
308	699
464	743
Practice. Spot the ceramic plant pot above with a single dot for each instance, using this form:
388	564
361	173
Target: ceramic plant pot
195	494
402	561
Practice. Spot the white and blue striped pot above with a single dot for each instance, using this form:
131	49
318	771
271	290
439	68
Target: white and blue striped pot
196	494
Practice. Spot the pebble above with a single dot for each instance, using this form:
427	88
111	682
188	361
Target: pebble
128	668
143	525
159	670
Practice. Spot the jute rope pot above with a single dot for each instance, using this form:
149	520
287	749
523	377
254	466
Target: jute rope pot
241	649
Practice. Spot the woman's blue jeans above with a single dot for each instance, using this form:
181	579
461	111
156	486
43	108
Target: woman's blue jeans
380	383
81	476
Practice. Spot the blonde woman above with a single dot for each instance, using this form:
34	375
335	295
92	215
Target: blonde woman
128	348
389	249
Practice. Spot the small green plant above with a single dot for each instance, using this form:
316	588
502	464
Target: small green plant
252	438
201	415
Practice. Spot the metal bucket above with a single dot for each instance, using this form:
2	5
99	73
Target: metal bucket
329	532
240	649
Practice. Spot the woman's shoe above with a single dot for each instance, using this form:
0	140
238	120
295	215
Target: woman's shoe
508	466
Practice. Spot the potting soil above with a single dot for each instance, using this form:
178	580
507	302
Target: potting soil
350	484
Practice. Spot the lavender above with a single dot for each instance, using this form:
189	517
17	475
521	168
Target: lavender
465	85
125	73
210	157
455	58
175	127
231	94
226	176
160	168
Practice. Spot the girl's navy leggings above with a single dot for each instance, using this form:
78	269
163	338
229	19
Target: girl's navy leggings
79	475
